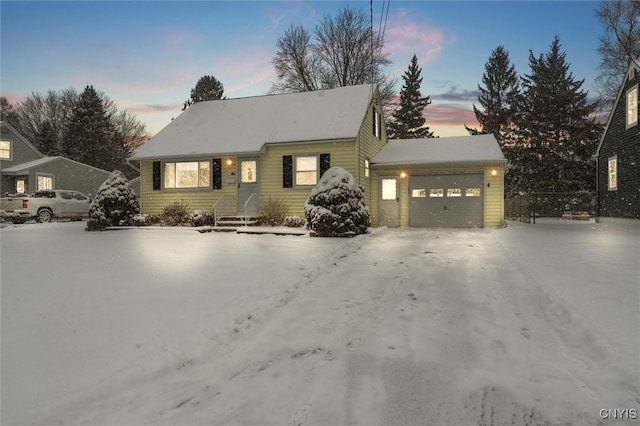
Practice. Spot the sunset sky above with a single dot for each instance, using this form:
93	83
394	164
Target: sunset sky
147	55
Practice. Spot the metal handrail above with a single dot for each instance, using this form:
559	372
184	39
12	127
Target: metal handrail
245	207
223	198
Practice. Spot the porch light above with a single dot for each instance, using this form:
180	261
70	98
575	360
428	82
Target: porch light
229	162
494	172
403	175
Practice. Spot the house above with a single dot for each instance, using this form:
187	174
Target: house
24	169
618	156
235	155
439	182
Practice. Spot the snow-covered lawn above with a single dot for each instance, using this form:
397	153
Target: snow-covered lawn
531	324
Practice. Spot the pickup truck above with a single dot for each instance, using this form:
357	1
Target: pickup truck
44	206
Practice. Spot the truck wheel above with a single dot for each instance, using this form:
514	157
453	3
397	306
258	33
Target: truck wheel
45	216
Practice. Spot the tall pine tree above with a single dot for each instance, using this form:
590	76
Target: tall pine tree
90	135
498	98
408	120
558	132
208	88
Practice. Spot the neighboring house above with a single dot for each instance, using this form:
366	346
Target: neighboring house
446	182
237	154
24	169
618	156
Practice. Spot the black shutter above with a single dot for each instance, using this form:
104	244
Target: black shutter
287	171
216	170
325	163
157	180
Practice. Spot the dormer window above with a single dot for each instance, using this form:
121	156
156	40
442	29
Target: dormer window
632	106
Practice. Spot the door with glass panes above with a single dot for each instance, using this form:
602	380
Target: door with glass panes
389	202
248	187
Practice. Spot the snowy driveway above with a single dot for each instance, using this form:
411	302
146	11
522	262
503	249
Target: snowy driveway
524	325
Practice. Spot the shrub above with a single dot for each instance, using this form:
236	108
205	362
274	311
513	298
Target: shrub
335	207
115	203
293	221
175	214
273	212
144	220
203	218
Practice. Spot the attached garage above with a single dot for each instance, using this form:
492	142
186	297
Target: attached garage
443	182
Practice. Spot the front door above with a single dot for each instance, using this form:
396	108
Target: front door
389	202
248	186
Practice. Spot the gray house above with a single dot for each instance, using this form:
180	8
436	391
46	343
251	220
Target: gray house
24	169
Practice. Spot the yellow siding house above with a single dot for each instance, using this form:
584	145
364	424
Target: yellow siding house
233	156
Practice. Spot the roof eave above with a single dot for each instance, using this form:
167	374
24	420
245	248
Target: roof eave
438	163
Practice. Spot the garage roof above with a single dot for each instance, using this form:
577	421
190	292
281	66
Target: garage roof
244	125
450	150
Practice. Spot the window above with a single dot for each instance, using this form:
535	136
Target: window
80	196
454	192
613	173
306	170
5	150
366	168
632	107
192	174
65	195
389	189
44	182
472	192
419	193
377	132
248	171
436	192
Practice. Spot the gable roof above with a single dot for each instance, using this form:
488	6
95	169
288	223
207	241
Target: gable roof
24	167
244	125
634	66
22	138
450	150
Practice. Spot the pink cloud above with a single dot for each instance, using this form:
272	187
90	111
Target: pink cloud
241	70
450	115
13	97
406	35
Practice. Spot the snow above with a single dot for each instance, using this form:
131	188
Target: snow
523	325
449	150
244	125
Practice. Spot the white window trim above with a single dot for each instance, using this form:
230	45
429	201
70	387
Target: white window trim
295	170
367	168
53	181
190	188
609	160
634	121
10	157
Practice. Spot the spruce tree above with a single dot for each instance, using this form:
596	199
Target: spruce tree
47	139
89	137
208	88
498	97
115	203
558	132
408	121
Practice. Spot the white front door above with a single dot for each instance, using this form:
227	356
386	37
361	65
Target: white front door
389	202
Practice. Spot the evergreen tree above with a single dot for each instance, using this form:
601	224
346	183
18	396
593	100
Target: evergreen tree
47	139
90	135
498	98
208	88
557	129
115	204
8	112
408	121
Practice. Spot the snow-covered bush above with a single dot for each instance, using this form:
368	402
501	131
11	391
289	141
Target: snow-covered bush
273	212
203	218
175	214
293	221
335	207
115	203
144	219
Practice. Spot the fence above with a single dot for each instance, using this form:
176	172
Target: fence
569	205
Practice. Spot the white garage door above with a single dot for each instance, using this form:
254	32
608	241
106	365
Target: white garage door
455	200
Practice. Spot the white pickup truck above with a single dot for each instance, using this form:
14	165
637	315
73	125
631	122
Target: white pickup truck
44	206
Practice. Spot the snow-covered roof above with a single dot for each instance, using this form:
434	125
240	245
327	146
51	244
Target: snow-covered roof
244	125
450	150
23	167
